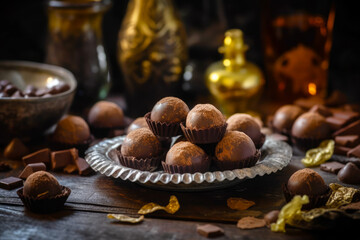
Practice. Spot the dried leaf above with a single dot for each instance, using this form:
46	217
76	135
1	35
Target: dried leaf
340	195
316	156
171	208
125	218
251	223
239	203
289	213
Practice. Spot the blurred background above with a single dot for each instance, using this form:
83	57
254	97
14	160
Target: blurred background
24	31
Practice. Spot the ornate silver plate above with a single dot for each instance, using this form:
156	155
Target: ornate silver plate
102	158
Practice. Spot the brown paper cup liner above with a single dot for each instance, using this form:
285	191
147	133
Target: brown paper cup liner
259	144
163	129
187	169
245	163
204	136
143	164
305	144
314	200
45	205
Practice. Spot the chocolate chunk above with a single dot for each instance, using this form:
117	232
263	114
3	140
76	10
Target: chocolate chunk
17	94
209	230
336	123
250	223
83	167
10	89
345	160
41	92
332	167
348	140
60	159
349	174
61	87
347	115
42	155
341	150
4	167
355	152
351	129
351	206
271	217
11	183
15	149
322	110
31	168
30	91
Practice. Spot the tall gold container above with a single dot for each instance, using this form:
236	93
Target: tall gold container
152	53
235	83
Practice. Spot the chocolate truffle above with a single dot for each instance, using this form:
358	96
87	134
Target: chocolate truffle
41	184
311	125
285	116
234	150
306	182
141	143
106	114
204	116
245	123
139	122
169	110
186	157
72	130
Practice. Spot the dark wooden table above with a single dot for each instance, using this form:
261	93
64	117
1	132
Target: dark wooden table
85	213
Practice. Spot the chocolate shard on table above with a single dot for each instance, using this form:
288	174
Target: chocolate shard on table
340	150
83	167
332	167
350	174
354	152
336	123
351	129
348	140
15	149
60	159
31	168
210	230
42	155
10	183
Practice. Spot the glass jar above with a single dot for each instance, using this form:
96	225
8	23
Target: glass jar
75	43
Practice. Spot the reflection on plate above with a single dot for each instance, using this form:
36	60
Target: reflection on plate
102	158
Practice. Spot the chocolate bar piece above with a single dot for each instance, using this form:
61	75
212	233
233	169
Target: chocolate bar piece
11	183
348	140
60	159
336	123
83	167
209	230
322	110
42	155
332	167
355	152
347	115
31	168
351	129
15	149
340	150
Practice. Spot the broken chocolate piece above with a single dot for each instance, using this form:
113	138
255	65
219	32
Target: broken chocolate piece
351	129
348	140
31	168
15	149
341	150
336	123
4	167
349	174
271	217
352	206
322	110
11	183
332	167
355	152
209	230
83	167
250	223
60	159
348	116
42	155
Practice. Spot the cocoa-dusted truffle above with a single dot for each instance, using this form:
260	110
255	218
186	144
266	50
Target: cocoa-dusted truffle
106	114
139	122
204	116
235	150
141	143
246	123
169	110
186	157
306	182
41	184
285	116
72	130
311	125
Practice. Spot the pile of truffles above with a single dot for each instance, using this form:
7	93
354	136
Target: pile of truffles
184	140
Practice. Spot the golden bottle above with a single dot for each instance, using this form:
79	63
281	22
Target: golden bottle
235	83
152	53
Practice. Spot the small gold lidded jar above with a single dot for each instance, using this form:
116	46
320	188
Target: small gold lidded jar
75	42
235	83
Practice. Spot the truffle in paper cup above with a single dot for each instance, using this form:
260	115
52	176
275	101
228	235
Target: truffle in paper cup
163	129
244	163
204	136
